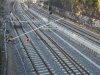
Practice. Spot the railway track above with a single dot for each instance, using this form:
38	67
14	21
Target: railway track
67	61
40	65
68	64
90	40
91	36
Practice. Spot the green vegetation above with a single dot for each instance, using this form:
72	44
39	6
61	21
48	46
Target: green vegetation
85	12
1	34
82	7
89	8
1	16
1	9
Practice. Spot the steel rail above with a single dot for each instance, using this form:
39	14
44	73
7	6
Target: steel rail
76	29
57	56
36	51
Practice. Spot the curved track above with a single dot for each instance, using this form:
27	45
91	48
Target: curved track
85	33
65	61
35	57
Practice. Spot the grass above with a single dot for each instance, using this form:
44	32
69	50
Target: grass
1	36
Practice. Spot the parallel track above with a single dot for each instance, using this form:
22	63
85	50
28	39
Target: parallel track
67	62
35	58
76	29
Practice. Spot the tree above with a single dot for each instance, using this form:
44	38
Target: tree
99	5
